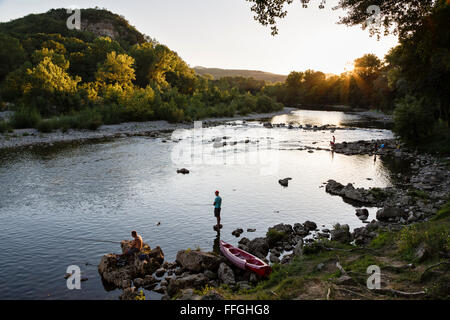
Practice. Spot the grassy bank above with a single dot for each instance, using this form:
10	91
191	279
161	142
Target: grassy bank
315	274
180	111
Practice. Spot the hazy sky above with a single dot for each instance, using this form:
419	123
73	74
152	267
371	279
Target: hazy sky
223	33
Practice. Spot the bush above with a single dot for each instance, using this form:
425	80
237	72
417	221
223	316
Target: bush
435	237
274	236
25	118
443	213
47	126
87	119
4	126
413	119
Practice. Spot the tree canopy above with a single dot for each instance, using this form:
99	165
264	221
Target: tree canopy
398	17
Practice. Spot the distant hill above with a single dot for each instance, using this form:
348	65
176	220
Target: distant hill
257	75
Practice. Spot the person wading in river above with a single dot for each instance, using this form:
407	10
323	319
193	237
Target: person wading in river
217	208
136	245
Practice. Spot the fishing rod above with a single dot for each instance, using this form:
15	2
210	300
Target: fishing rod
92	240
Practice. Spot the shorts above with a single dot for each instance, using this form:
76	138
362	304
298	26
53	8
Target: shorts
217	212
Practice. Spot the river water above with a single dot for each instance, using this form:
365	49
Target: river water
53	200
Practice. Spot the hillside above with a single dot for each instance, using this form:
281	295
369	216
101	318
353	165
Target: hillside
257	75
94	22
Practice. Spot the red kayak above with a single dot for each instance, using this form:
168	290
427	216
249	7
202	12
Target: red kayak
245	260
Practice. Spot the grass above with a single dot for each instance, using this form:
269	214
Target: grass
25	118
275	236
435	237
301	279
415	193
379	194
4	126
443	213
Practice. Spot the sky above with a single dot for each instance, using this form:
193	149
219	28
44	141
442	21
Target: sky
223	33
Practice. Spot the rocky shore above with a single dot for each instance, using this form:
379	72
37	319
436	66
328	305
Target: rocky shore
196	274
21	138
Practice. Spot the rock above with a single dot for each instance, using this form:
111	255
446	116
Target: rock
423	252
253	278
341	233
237	233
298	248
138	282
128	294
362	236
251	230
149	282
259	247
226	274
161	290
210	274
390	213
349	192
160	272
183	171
309	226
362	214
333	187
243	285
198	261
345	280
195	281
188	294
284	182
287	258
145	263
300	230
274	259
286	228
126	283
244	241
320	267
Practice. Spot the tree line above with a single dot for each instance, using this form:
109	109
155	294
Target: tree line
83	82
412	81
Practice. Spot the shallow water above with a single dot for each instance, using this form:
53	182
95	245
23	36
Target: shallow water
102	191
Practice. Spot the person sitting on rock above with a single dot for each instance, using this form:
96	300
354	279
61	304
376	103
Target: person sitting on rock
135	246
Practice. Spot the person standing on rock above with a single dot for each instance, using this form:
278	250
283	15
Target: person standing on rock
332	143
217	208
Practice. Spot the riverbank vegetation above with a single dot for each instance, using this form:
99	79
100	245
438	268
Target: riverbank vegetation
54	78
80	79
411	81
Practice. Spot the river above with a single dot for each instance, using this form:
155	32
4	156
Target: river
53	200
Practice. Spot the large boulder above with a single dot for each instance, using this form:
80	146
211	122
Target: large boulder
193	281
300	230
198	261
114	271
226	274
341	233
334	187
310	226
259	247
286	228
362	214
391	214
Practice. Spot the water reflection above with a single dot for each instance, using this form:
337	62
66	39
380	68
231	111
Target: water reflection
98	191
316	118
216	246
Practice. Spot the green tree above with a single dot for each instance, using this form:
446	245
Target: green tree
12	55
117	69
